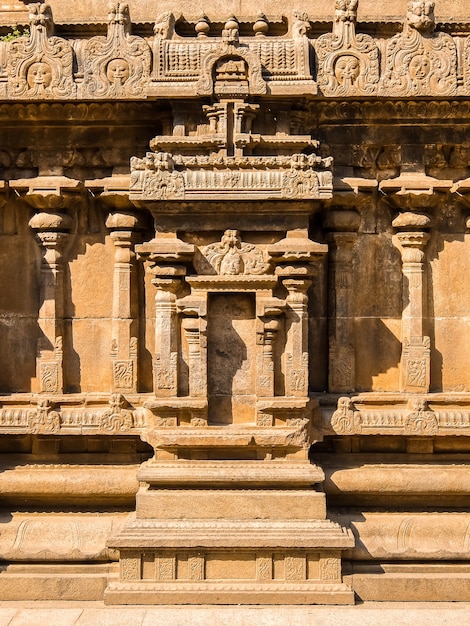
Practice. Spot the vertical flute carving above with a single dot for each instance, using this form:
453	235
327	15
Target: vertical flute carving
124	342
51	233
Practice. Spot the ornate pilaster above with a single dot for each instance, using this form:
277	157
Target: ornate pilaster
413	194
416	344
124	330
166	256
51	234
342	228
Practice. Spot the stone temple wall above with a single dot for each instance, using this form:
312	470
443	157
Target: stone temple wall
234	324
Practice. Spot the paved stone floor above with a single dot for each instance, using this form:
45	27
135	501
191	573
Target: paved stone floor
367	614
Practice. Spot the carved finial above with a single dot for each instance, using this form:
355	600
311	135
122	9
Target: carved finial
118	13
202	26
230	31
421	15
346	10
40	17
261	26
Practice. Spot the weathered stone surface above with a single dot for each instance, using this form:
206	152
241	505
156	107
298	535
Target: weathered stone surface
233	309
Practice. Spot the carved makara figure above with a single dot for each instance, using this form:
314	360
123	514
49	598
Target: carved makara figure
420	62
40	66
117	65
348	64
232	257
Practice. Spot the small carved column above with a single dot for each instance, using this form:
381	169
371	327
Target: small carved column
297	334
166	254
413	193
342	237
416	354
51	233
125	319
268	328
194	325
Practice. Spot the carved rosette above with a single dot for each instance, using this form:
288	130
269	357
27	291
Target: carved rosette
418	61
348	64
118	65
41	66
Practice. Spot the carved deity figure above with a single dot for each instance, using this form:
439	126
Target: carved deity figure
232	257
420	62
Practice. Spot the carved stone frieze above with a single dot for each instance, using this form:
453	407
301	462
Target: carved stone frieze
40	66
420	62
116	66
346	420
348	63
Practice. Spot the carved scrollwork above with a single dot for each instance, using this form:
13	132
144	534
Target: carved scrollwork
418	61
345	420
421	421
40	66
44	419
348	64
117	65
116	418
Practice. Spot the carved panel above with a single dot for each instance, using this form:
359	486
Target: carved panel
348	64
40	66
418	61
118	65
231	256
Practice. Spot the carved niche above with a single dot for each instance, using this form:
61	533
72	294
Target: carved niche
40	66
348	64
420	62
117	65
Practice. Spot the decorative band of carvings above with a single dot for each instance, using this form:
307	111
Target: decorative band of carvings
419	61
130	415
414	417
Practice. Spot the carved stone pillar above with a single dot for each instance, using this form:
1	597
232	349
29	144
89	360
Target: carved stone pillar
416	354
164	252
194	327
51	233
268	328
124	342
413	194
342	237
297	335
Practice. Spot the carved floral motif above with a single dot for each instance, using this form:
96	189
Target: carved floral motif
420	421
44	419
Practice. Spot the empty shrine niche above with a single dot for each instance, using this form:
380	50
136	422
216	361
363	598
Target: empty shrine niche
231	358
